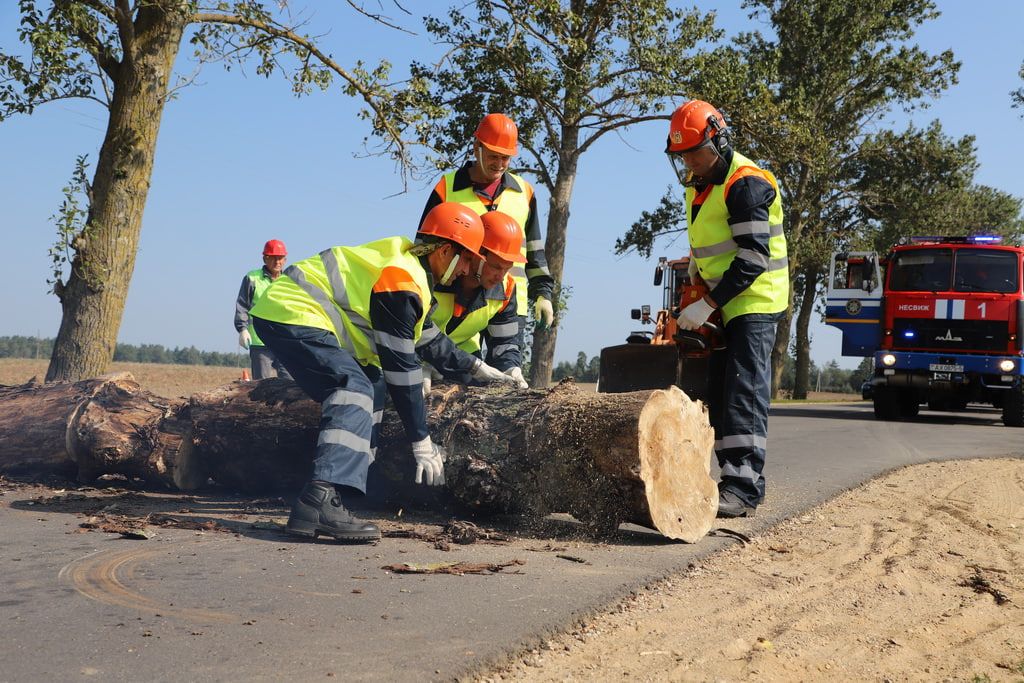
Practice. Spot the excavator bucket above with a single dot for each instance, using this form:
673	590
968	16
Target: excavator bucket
635	367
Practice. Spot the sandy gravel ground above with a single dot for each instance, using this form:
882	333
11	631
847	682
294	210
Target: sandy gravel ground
915	576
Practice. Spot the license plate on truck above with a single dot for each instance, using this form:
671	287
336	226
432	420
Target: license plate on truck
940	367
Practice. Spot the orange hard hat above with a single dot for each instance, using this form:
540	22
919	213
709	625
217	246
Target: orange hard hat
274	248
503	237
498	133
695	124
455	222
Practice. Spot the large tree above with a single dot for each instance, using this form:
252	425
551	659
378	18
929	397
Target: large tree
121	54
569	73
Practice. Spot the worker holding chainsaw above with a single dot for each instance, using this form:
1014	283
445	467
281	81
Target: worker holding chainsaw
485	184
261	360
738	249
480	307
353	322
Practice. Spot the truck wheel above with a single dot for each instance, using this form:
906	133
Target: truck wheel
909	405
886	404
1013	407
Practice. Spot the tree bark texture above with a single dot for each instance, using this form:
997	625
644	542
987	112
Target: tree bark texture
542	356
808	297
640	457
93	298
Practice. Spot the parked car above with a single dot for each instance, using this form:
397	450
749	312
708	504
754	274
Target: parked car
867	390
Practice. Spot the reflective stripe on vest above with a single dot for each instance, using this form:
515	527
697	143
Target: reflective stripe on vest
466	334
331	291
515	204
713	248
260	282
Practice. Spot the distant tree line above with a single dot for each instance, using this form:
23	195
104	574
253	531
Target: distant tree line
829	377
35	347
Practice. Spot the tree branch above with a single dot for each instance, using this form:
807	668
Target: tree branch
279	32
379	18
621	124
105	10
125	27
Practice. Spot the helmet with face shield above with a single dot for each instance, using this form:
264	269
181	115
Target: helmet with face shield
695	125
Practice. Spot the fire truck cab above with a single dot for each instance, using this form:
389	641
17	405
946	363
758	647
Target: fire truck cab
944	323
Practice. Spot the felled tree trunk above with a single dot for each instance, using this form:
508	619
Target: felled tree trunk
642	457
98	426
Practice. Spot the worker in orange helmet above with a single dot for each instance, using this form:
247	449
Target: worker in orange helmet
738	249
255	282
480	307
351	324
484	183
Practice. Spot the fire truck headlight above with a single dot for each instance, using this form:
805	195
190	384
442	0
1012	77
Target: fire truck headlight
889	360
1006	365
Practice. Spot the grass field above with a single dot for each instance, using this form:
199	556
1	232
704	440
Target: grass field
173	381
163	380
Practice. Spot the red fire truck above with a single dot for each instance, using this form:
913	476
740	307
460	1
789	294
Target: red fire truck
945	325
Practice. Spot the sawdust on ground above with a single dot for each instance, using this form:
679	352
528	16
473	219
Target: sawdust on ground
915	576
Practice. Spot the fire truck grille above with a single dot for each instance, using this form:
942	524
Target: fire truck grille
967	335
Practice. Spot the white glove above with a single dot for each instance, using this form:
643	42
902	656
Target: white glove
429	462
430	375
694	315
485	373
543	312
517	374
244	338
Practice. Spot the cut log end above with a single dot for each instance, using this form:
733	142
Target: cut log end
676	443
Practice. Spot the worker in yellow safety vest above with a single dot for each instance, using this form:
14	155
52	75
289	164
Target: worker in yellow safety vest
480	309
255	282
738	248
484	184
351	324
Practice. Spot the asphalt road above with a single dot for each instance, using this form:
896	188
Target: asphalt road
209	606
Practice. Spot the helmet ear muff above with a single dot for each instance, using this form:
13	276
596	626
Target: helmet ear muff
719	134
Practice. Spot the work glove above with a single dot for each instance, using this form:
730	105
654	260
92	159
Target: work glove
244	338
482	372
516	373
543	312
694	315
429	462
429	375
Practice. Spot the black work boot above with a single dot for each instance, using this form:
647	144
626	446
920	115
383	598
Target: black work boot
319	511
731	505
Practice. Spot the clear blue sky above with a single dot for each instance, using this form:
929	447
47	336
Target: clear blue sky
240	161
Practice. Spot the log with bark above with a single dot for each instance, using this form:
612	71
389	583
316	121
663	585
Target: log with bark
640	457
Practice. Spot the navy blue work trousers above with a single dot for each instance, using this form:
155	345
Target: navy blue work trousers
739	392
351	398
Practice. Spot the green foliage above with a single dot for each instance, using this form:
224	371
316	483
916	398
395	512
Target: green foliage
1017	96
920	182
70	221
582	371
567	73
669	218
35	347
72	44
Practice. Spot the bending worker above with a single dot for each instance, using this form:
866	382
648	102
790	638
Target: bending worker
734	211
481	305
255	282
485	184
351	321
